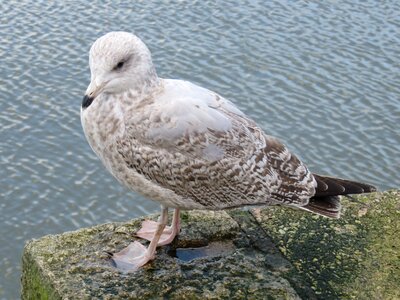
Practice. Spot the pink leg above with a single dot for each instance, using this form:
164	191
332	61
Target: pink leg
170	232
136	255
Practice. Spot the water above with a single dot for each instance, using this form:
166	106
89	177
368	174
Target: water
217	248
323	77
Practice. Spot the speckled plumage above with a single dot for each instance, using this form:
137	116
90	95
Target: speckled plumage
182	145
188	147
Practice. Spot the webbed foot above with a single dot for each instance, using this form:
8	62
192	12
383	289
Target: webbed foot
167	236
132	257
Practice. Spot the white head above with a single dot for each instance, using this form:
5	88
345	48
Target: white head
119	61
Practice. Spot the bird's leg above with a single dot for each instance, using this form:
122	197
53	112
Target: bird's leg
136	255
169	233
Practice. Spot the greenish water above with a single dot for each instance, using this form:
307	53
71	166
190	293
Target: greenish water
323	77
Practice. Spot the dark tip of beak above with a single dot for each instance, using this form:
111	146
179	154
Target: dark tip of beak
87	101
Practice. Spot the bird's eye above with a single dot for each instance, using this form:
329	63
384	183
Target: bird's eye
119	65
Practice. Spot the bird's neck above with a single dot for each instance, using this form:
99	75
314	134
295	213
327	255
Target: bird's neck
141	90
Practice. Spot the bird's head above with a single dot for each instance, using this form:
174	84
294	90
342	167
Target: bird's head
119	61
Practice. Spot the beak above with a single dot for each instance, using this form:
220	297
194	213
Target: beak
93	90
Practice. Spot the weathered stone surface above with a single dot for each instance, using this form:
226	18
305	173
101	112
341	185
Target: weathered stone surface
233	257
74	265
355	257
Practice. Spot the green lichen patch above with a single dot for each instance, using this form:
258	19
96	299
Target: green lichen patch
355	257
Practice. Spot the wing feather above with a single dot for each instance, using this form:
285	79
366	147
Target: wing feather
202	147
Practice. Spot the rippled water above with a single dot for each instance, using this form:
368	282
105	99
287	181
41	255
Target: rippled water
322	77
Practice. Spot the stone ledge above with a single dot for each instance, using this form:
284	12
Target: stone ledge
355	257
233	257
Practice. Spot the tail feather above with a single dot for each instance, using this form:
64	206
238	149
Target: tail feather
328	206
326	200
330	186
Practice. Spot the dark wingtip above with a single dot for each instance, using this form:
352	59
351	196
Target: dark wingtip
331	186
328	206
369	188
87	101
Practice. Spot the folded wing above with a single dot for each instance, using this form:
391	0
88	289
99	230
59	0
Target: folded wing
198	144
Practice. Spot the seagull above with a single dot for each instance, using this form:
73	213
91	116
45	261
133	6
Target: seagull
188	147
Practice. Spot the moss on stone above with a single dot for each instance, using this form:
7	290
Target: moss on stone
355	257
36	286
74	265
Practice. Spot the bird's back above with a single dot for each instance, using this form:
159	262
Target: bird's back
200	146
